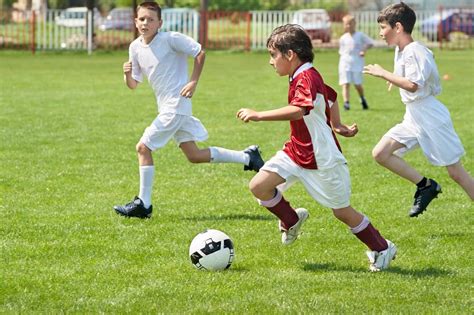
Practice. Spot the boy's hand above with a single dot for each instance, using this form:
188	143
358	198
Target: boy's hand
375	70
247	114
127	67
188	89
346	131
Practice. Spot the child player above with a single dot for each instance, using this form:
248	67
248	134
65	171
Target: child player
312	154
427	122
352	48
162	58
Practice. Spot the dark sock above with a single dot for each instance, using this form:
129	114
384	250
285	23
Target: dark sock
285	213
371	237
422	183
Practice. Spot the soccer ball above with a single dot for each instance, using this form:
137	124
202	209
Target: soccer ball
211	250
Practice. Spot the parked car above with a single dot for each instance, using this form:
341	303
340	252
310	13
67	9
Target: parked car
438	27
76	17
118	19
316	22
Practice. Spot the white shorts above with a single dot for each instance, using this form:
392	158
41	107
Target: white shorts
329	187
181	127
354	77
441	146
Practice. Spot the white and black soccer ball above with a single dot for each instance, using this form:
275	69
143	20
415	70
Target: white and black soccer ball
212	250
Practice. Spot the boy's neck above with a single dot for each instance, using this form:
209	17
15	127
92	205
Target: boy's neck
404	41
147	40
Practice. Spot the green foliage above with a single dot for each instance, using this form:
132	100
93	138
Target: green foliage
67	154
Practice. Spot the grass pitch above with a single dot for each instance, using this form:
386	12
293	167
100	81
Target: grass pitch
68	130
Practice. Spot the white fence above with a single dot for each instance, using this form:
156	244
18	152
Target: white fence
61	30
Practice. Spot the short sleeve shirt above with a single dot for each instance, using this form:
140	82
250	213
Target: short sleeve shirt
350	46
416	63
312	143
164	61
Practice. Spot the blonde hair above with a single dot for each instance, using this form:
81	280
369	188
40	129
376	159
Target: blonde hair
348	18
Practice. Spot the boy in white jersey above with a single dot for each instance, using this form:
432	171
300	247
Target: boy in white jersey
312	155
162	58
352	48
427	122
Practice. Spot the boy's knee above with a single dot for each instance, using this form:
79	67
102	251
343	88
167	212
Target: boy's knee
142	149
378	155
257	188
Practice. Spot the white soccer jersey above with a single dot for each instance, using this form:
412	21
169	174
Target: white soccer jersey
416	63
164	61
350	46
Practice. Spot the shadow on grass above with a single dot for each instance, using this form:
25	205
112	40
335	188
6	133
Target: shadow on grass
417	273
429	272
217	217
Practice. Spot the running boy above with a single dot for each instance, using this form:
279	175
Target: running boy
162	58
427	122
312	155
352	48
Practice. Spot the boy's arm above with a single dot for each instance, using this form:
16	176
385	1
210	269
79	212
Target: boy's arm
190	87
284	113
338	127
403	83
127	75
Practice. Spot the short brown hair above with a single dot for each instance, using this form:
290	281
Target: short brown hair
151	5
292	37
398	13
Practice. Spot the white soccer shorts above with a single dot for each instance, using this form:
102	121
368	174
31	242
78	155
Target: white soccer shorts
347	77
181	128
329	187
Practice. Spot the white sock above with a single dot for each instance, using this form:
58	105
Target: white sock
221	155
146	184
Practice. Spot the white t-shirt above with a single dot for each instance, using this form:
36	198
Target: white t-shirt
164	61
416	63
350	46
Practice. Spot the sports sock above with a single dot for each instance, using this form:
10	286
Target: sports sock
221	155
369	235
282	209
146	184
422	183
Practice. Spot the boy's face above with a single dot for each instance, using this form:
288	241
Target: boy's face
387	33
147	22
349	25
279	61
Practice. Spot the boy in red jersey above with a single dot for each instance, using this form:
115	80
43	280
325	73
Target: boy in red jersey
312	155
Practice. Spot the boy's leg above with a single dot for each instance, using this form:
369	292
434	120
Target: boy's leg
360	90
141	205
250	157
383	154
382	251
346	96
263	186
459	174
427	189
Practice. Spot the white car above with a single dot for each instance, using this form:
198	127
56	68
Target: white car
76	17
316	22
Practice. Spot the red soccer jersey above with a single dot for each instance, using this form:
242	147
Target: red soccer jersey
312	144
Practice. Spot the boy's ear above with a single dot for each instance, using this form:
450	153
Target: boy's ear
290	55
399	27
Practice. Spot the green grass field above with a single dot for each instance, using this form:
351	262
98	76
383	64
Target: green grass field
68	131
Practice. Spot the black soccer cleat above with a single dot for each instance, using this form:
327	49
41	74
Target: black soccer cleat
365	106
256	161
423	197
134	208
347	106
